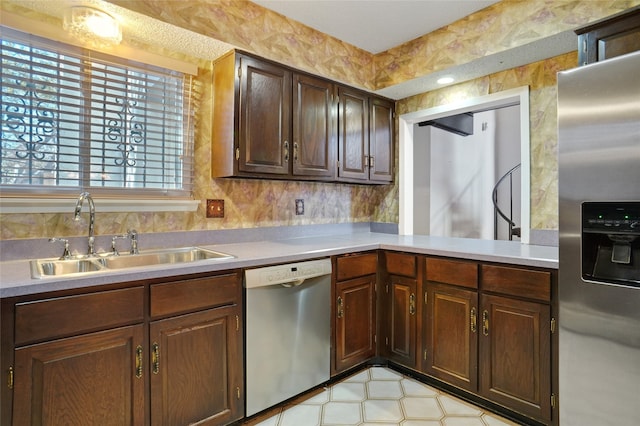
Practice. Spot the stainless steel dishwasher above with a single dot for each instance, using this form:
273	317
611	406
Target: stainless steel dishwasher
288	331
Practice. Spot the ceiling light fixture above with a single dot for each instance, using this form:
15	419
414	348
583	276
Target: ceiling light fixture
445	80
92	26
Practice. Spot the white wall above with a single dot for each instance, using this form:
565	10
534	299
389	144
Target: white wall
421	179
507	156
454	175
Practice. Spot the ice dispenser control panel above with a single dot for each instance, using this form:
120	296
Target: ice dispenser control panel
611	242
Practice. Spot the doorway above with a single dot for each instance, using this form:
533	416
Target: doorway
446	180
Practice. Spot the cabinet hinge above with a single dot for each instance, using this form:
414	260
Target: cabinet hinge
553	325
10	378
238	392
375	338
425	297
386	288
553	400
239	72
425	355
386	341
338	164
237	323
237	153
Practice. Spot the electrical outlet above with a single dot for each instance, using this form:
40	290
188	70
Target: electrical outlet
215	208
299	207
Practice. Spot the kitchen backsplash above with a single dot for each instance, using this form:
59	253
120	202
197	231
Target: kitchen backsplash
262	203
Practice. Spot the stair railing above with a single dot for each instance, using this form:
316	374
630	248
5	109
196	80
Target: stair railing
513	229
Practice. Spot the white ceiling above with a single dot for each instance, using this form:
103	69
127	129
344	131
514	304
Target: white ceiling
376	25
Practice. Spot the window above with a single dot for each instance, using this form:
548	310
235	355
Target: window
75	120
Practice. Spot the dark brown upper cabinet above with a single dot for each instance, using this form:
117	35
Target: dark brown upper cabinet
271	121
609	37
365	135
314	127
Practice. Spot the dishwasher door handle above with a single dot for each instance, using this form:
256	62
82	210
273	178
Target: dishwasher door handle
294	283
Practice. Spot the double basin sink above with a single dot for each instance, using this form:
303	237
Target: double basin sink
43	268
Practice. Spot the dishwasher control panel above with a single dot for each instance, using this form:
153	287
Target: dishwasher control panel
286	273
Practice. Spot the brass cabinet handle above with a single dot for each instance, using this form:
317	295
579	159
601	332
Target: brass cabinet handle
485	323
10	378
139	361
155	358
366	161
286	151
340	307
412	304
295	152
473	320
372	161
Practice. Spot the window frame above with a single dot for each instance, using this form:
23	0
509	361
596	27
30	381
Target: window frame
50	198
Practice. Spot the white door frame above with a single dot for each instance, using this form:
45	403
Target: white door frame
406	123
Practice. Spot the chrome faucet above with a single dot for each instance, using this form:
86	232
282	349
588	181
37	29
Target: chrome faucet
133	234
92	219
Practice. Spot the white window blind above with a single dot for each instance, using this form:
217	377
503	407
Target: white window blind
75	120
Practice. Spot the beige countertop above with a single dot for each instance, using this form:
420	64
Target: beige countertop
16	280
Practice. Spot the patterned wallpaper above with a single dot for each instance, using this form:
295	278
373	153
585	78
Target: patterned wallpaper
258	203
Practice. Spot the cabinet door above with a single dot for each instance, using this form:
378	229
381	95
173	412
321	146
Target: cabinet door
515	354
400	340
353	135
314	127
196	368
381	134
92	379
355	322
265	118
451	349
609	38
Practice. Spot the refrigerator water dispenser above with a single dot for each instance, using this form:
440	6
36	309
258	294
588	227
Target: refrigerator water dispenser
611	242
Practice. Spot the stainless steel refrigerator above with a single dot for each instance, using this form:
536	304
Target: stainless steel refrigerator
599	268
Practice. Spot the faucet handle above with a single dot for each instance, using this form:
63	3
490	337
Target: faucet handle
114	250
65	253
133	234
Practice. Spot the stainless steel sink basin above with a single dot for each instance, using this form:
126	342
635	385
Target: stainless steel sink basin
163	257
42	268
55	267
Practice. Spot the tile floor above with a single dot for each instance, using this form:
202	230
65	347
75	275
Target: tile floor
379	396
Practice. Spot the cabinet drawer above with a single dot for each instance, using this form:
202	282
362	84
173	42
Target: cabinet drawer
464	274
71	315
195	294
356	266
401	264
517	282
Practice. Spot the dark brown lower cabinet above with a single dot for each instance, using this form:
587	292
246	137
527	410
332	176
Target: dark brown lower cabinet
451	344
161	353
355	322
515	340
93	379
354	310
401	335
192	374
